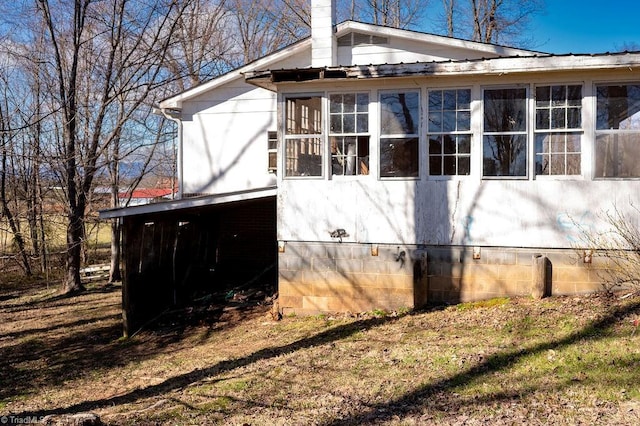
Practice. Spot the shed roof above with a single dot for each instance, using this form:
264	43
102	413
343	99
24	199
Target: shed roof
190	203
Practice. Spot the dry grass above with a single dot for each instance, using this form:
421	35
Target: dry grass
564	360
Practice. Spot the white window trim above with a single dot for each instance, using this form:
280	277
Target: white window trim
327	169
594	124
584	140
527	132
282	161
420	135
476	149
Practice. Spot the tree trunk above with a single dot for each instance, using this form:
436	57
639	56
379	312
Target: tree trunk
116	234
72	283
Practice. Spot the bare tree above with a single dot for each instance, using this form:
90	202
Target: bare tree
491	21
102	55
201	44
617	246
449	11
390	13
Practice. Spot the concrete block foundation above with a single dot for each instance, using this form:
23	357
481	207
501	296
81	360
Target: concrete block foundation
352	277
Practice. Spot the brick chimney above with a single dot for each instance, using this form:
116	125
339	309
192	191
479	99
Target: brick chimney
323	43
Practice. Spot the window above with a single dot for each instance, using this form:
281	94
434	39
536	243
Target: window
558	130
349	133
449	132
272	151
303	136
399	124
504	145
617	148
355	39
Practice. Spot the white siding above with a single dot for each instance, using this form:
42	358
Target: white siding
225	135
533	212
225	143
406	51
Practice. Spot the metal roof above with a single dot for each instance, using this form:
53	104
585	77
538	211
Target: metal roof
483	66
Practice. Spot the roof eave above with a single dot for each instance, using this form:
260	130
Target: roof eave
175	102
491	66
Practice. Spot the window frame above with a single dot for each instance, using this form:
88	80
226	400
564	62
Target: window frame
286	136
526	132
272	136
470	133
566	131
599	132
380	135
357	135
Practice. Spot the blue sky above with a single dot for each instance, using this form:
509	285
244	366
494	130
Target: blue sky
587	26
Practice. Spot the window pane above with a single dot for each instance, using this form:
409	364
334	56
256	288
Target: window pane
573	143
449	144
557	164
573	164
362	123
272	140
505	155
617	155
542	144
464	121
349	102
574	118
335	104
400	113
348	123
464	99
343	155
543	119
435	121
543	96
449	165
303	115
399	157
464	165
449	100
449	115
335	125
435	145
505	110
618	107
449	121
435	100
348	145
558	95
542	164
574	95
303	157
558	154
435	165
363	102
558	118
557	143
464	144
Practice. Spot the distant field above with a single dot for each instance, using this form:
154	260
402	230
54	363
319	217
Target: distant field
98	233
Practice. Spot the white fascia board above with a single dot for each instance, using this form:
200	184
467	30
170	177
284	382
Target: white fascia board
500	66
189	203
494	49
177	100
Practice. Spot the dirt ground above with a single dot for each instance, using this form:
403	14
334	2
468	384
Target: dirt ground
563	360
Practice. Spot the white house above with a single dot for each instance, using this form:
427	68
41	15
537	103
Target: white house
409	167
